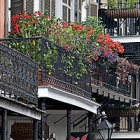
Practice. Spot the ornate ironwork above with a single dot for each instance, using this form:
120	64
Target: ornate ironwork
133	47
132	51
18	76
55	65
110	87
38	47
67	87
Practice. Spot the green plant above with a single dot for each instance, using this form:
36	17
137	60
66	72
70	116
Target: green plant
124	68
85	41
119	4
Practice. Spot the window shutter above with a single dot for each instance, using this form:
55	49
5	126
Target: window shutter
47	6
16	6
92	9
29	6
53	8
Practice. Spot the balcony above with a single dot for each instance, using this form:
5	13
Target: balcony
53	68
120	24
100	82
18	76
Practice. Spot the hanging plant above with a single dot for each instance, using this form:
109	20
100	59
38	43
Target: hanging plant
124	68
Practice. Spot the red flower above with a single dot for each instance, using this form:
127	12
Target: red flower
47	17
90	32
105	53
37	13
16	28
67	47
96	58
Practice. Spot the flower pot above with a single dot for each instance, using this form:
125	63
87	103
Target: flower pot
123	13
40	79
123	113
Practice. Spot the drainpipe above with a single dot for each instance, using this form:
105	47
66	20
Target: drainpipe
69	122
43	107
35	129
4	124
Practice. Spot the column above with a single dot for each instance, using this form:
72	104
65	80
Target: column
4	124
129	123
68	123
43	107
35	129
90	124
136	124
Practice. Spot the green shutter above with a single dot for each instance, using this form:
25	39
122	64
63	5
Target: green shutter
16	6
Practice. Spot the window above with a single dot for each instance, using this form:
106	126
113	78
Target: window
66	10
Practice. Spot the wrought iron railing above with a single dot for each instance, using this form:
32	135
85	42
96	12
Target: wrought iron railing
106	77
109	87
18	76
117	25
54	66
52	60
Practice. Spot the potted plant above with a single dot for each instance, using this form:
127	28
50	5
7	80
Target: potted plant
122	9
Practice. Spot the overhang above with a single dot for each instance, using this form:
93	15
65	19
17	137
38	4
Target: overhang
67	97
20	108
111	94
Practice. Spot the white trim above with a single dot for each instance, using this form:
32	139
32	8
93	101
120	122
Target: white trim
111	94
20	108
125	135
126	39
36	5
66	97
58	9
84	11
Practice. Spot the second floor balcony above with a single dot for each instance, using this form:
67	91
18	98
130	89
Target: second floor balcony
18	76
63	69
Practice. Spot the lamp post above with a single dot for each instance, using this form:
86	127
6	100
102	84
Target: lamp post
105	128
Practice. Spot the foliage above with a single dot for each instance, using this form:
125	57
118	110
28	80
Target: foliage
124	68
118	4
108	50
31	25
86	40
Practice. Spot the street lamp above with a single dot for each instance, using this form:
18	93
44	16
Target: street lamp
105	128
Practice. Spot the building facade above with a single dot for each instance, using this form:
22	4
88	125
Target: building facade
62	111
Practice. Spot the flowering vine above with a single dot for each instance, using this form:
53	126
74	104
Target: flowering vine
124	68
85	39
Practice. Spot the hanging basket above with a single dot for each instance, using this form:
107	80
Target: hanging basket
123	13
123	113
